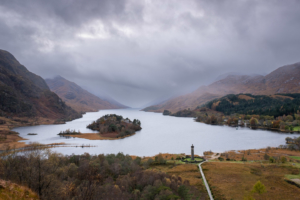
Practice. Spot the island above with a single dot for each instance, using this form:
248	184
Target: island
110	127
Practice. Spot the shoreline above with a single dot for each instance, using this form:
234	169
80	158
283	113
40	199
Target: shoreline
97	136
255	128
14	140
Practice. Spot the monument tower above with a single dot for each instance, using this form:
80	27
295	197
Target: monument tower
192	152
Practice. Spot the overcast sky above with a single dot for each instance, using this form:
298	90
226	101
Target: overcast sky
138	51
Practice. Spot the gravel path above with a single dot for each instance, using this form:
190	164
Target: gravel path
205	182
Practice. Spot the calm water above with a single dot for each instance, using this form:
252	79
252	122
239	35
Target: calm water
160	134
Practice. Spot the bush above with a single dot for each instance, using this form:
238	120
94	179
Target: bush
220	159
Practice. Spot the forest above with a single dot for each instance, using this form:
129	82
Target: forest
275	105
56	176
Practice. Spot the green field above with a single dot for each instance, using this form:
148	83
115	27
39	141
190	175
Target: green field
297	128
195	159
295	157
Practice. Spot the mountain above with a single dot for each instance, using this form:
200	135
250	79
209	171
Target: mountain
285	79
25	94
272	105
78	98
112	101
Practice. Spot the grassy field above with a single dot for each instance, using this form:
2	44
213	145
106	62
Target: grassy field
297	128
295	157
259	154
224	176
195	159
188	172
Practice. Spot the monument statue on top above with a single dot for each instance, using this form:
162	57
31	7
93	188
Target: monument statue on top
192	152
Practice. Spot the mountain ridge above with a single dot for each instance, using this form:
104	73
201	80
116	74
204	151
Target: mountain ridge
285	79
78	98
26	94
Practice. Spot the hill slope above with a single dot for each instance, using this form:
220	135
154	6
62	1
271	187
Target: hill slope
285	79
25	94
272	105
78	98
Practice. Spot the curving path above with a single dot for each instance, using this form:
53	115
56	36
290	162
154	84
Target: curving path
205	182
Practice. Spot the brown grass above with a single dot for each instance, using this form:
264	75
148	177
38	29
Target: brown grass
281	96
13	141
9	191
188	172
258	154
235	180
242	96
97	136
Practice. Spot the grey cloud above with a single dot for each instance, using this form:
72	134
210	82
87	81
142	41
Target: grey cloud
139	51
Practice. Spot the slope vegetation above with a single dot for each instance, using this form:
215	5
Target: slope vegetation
25	94
285	79
78	98
272	105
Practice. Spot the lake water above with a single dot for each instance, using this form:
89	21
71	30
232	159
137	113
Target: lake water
159	134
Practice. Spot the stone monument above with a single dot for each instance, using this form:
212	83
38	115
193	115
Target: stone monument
192	152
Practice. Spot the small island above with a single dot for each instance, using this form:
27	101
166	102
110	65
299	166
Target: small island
111	127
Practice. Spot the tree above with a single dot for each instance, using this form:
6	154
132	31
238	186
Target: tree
272	160
259	188
289	118
213	119
253	122
167	112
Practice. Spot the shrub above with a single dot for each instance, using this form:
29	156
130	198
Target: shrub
259	188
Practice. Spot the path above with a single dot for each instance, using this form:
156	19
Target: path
205	182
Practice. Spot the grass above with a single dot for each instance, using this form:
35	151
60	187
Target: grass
188	172
296	128
291	176
295	157
224	176
97	136
11	191
195	159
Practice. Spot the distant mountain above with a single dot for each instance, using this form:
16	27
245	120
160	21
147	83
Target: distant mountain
24	94
285	79
78	98
112	101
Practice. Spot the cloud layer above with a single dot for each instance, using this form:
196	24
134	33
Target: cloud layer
139	51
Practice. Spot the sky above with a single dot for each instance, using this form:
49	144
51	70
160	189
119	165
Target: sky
141	51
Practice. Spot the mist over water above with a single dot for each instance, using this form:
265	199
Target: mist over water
159	134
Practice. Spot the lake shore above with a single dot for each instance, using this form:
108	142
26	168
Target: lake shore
97	136
13	140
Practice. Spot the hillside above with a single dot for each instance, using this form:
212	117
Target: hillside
25	94
10	190
78	98
272	105
285	79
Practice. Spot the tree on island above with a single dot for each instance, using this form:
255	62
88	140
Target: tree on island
115	124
